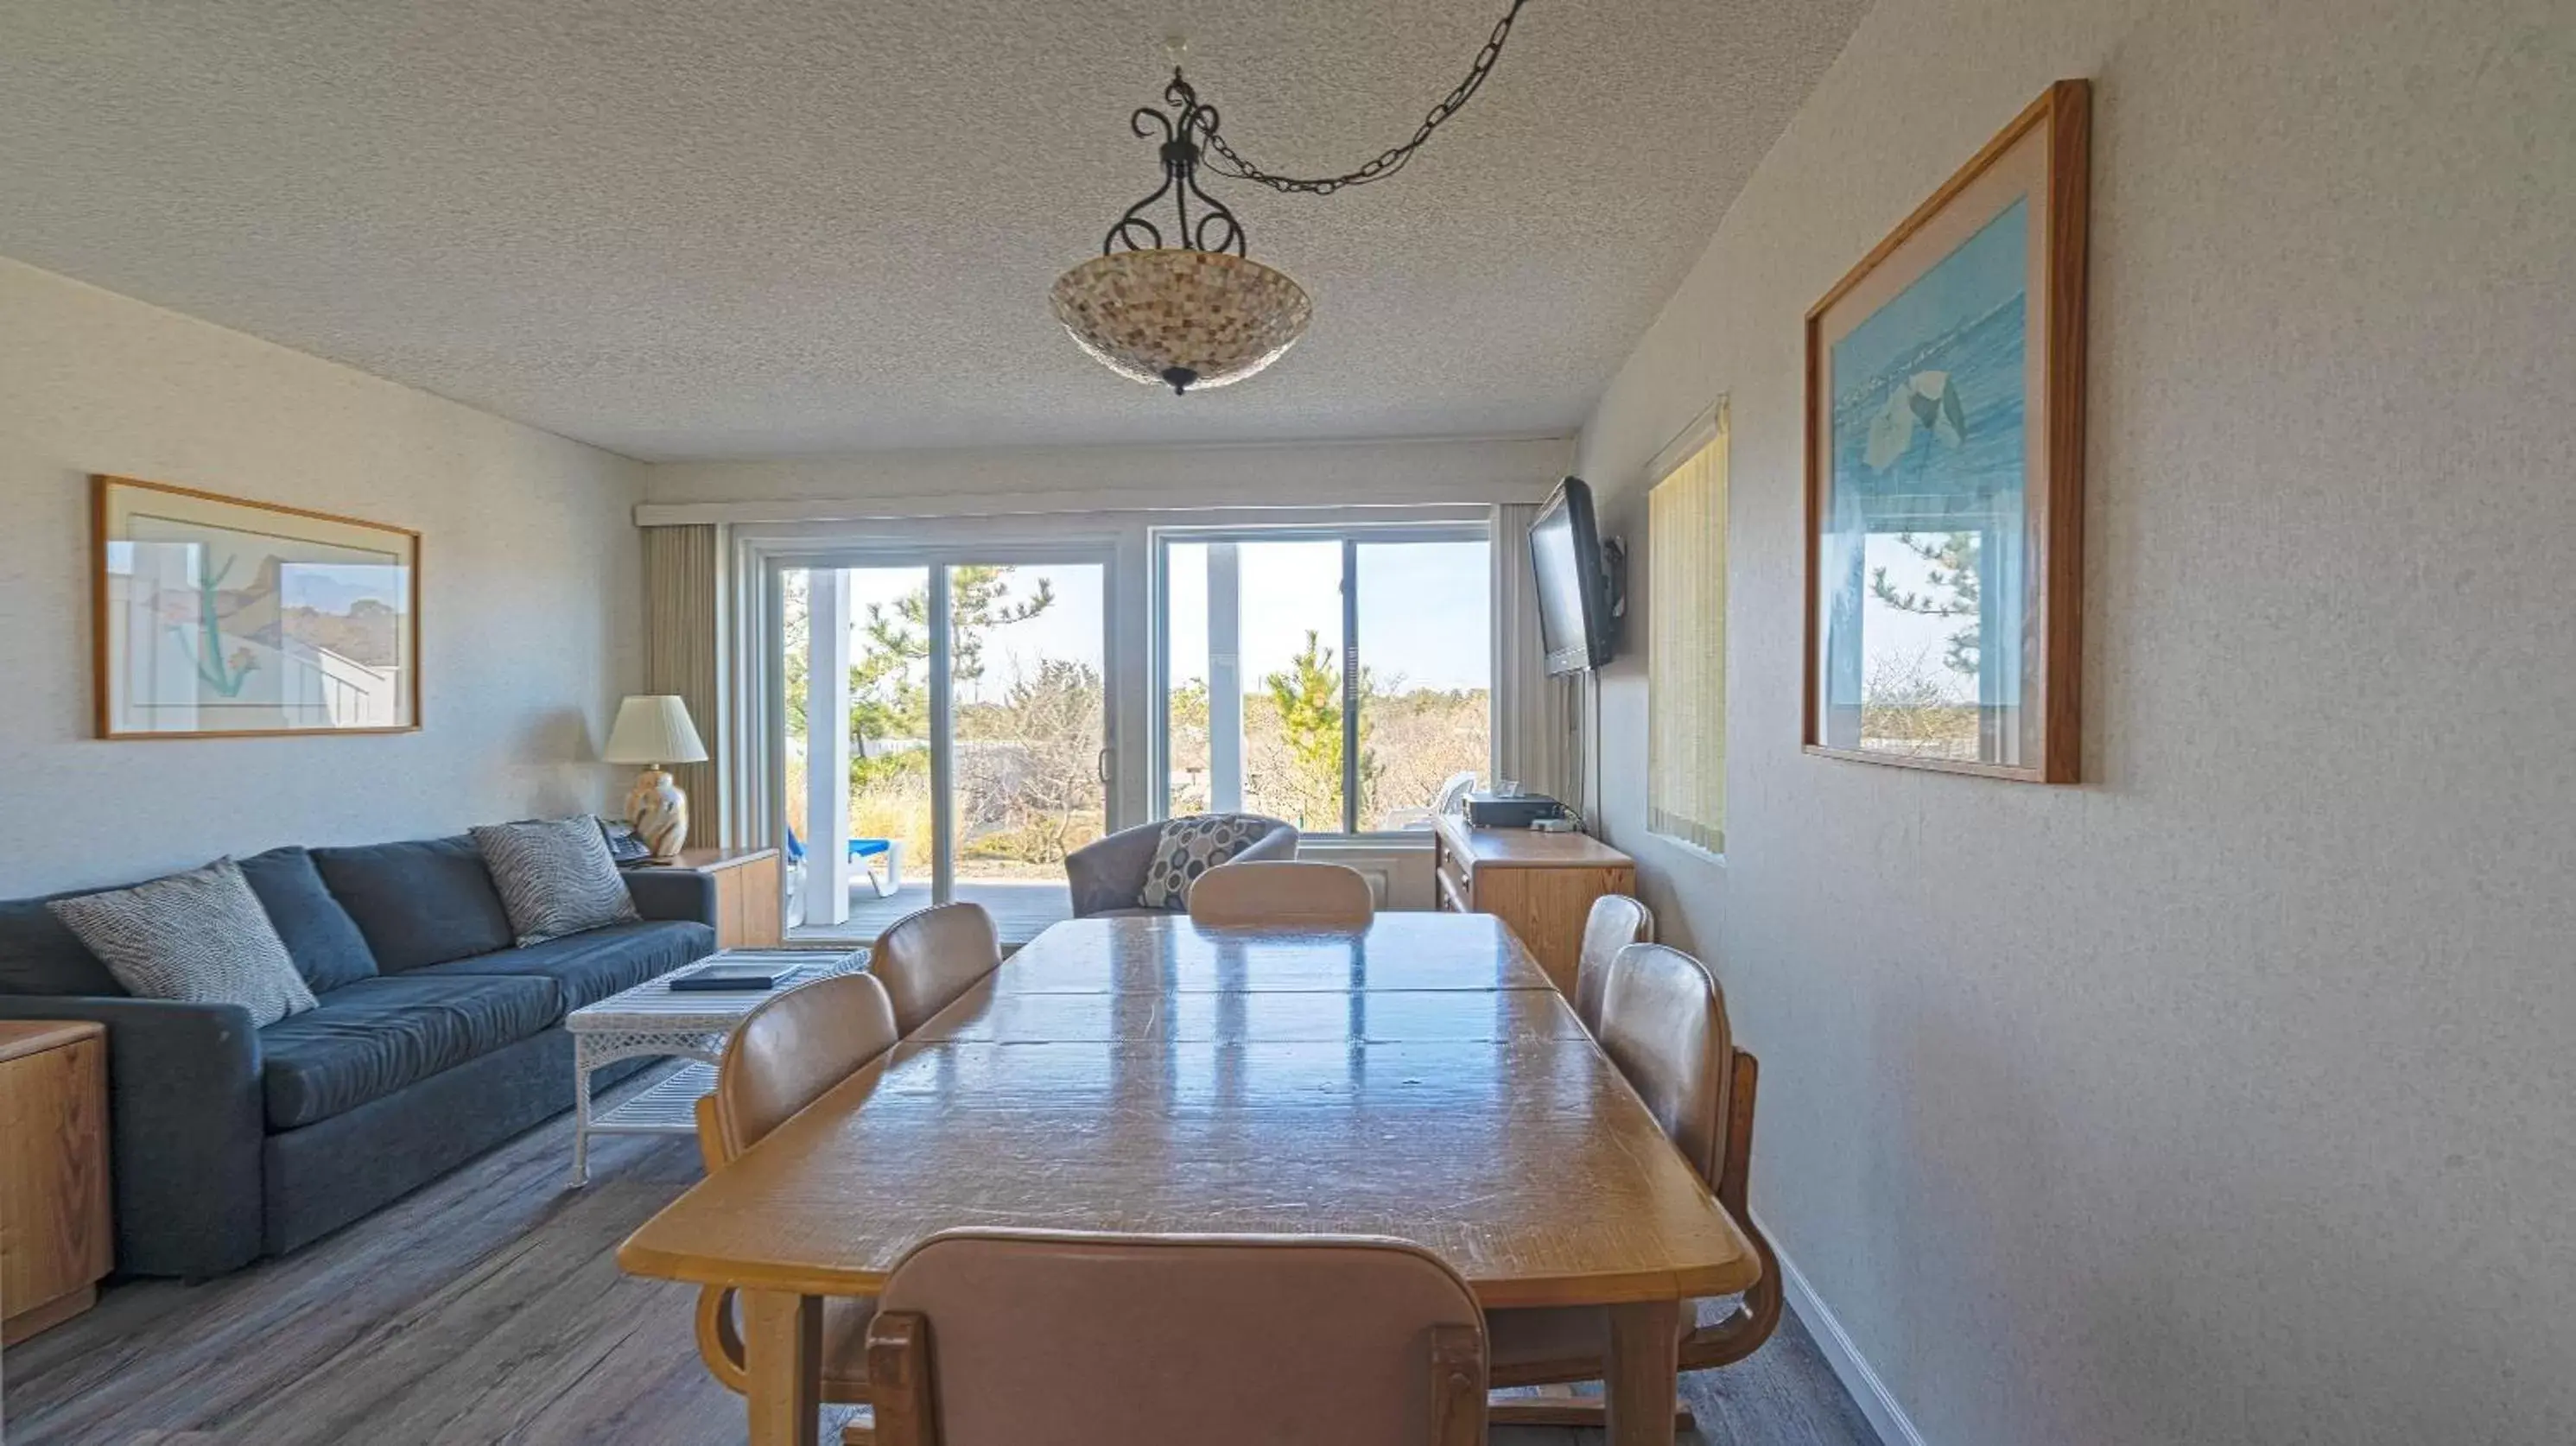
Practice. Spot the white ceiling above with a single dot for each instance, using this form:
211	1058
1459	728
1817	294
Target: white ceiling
733	228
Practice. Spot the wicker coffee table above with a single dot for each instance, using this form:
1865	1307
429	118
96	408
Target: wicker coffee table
654	1020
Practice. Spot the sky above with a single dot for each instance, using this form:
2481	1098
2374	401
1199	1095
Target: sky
1424	610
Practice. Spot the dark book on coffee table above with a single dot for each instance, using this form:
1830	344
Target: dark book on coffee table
724	978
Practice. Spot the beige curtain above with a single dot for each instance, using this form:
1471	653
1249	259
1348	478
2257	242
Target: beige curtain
1537	725
1686	643
682	624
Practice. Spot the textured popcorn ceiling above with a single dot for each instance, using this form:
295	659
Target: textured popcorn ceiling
718	229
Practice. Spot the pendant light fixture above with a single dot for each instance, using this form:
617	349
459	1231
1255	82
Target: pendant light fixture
1190	307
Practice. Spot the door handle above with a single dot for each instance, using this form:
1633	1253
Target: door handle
1104	766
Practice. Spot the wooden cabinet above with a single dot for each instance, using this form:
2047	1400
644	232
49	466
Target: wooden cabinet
1541	884
55	1235
748	895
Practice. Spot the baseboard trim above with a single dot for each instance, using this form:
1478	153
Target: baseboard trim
1886	1417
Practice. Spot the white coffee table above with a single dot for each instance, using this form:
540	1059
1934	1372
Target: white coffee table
654	1020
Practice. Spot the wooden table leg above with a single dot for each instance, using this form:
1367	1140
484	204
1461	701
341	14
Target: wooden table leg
782	1345
1643	1373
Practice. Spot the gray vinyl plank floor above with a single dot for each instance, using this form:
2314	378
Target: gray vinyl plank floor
488	1308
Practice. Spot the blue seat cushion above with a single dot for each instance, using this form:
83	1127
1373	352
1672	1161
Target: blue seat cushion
424	901
376	1036
587	967
320	936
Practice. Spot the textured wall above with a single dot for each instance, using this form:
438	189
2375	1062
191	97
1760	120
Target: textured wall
528	562
1080	478
2229	1097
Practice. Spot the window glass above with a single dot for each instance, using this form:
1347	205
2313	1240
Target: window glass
1262	706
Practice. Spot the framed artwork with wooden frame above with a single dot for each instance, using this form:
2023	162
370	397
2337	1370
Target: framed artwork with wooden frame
1945	470
217	617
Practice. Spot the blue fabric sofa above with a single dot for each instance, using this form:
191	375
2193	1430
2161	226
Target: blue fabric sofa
436	1039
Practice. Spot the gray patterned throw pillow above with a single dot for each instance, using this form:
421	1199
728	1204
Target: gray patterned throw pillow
554	878
1189	847
200	936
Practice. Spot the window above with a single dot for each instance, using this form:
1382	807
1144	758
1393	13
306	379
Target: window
1686	641
1333	678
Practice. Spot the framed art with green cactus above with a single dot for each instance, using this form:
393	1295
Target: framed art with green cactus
218	617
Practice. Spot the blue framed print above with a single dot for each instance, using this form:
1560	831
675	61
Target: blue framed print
1945	466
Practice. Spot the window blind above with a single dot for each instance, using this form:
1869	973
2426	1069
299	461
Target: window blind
1686	644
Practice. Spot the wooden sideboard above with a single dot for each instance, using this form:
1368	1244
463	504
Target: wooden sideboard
1541	884
55	1235
748	896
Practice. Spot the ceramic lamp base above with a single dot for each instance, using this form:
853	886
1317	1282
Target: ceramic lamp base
660	812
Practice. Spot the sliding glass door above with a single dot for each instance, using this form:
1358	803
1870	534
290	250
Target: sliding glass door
943	735
1337	679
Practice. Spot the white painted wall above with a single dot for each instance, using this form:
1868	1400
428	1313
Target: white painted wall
2230	1097
1084	479
529	564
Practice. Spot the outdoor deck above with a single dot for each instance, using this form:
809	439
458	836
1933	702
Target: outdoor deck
1021	908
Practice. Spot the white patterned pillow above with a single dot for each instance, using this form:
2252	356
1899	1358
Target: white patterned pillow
1189	847
200	936
554	878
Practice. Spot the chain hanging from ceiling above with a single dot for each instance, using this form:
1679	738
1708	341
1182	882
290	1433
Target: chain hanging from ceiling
1191	308
1230	162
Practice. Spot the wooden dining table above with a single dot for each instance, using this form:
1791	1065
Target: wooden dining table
1419	1079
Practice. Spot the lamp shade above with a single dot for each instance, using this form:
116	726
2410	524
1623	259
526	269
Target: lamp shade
1181	318
653	728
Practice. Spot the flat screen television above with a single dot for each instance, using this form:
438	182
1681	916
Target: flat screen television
1573	584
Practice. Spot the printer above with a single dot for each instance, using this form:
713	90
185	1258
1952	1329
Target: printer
1520	810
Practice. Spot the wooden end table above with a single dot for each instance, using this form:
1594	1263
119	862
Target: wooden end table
55	1236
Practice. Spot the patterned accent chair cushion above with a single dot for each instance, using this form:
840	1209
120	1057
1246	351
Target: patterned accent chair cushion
1190	847
554	878
201	937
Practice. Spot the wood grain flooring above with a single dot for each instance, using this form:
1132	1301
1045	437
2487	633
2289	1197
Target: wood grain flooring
487	1308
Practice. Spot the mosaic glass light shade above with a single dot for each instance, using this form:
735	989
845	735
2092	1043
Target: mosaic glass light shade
1181	318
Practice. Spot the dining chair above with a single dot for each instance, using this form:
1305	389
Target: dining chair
1663	1023
785	1055
999	1338
1299	895
927	958
1616	921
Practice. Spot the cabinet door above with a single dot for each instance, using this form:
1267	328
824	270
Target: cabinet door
54	1233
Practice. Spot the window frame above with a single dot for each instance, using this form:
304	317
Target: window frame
1351	536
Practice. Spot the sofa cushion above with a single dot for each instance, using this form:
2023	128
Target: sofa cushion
376	1036
554	877
424	901
320	936
39	954
199	937
588	967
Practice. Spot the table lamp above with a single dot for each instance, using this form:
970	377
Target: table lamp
654	729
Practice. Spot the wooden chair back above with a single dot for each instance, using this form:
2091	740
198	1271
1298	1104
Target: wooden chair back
1290	895
1664	1024
784	1056
1616	921
997	1338
786	1053
927	959
1663	1019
